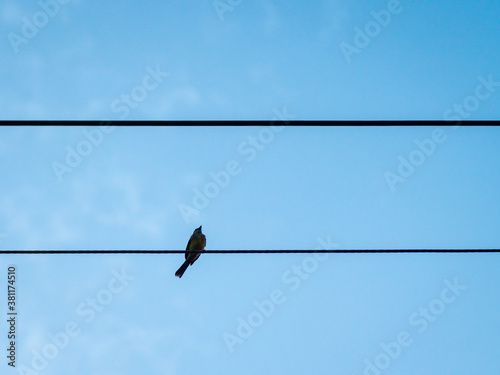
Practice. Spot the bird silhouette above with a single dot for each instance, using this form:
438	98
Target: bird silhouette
197	241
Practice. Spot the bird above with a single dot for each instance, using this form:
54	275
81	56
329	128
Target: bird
197	241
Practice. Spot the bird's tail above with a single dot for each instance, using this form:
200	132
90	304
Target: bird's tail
182	269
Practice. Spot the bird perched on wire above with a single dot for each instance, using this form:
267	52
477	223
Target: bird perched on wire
197	241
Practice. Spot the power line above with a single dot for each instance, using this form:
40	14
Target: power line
276	121
307	251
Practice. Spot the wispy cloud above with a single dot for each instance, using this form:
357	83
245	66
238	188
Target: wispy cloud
272	19
172	101
125	205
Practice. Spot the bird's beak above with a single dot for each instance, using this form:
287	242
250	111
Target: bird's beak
200	228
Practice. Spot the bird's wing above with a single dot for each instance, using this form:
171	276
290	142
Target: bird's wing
187	248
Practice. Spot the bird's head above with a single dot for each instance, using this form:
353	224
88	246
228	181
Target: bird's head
197	230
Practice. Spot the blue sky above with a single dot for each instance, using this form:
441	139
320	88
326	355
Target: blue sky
267	187
261	55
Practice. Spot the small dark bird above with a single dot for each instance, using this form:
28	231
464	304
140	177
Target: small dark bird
197	241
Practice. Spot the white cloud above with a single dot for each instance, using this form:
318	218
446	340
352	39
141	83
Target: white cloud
126	204
170	102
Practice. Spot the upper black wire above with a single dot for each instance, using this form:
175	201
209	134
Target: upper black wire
308	251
